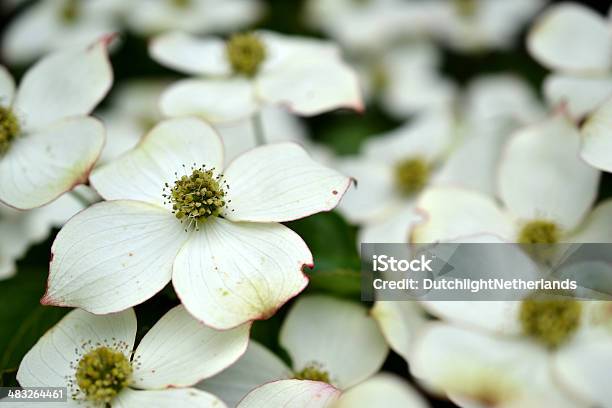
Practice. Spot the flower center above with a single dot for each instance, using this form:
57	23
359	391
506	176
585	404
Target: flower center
70	11
550	321
181	3
539	232
411	175
102	373
245	52
198	196
380	78
466	8
9	129
312	372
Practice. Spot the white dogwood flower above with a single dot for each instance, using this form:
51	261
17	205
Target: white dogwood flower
547	193
575	42
495	353
148	17
380	22
53	25
382	390
252	70
340	348
96	358
473	25
48	144
175	212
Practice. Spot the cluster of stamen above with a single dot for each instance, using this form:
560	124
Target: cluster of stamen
539	232
245	53
551	321
411	175
181	3
312	372
198	196
70	11
466	8
102	373
9	129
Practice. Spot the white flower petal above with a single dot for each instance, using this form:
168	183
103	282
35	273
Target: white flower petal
579	95
453	213
179	351
309	87
374	194
492	316
63	84
257	366
471	367
584	368
230	273
280	182
41	166
189	54
541	175
172	147
7	87
50	363
597	138
291	393
171	398
473	163
400	323
216	100
428	137
113	255
383	390
572	37
338	335
396	226
597	227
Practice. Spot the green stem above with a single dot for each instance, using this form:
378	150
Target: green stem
258	129
80	198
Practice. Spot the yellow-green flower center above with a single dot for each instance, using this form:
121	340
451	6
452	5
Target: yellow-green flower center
380	78
9	129
550	321
312	372
539	232
181	3
411	175
198	196
245	53
70	11
466	8
102	374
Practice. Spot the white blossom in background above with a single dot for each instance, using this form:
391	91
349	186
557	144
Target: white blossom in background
22	229
239	76
328	340
96	358
177	213
132	112
53	25
495	353
406	80
369	26
381	390
546	190
391	172
576	42
278	125
48	144
477	25
149	17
